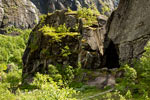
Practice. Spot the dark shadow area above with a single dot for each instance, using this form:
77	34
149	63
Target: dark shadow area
111	57
42	5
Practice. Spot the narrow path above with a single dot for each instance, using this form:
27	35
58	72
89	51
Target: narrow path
98	94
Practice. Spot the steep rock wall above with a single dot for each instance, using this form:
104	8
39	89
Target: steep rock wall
128	30
46	6
25	13
19	13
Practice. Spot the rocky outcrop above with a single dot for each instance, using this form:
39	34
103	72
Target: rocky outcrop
83	47
19	13
46	6
25	13
128	30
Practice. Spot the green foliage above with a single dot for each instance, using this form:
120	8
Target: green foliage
42	18
12	78
57	33
68	74
128	95
3	67
62	29
113	96
105	9
12	48
127	82
12	29
49	90
135	83
61	73
46	88
54	73
89	14
65	51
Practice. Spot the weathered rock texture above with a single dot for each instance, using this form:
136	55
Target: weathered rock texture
46	6
19	13
25	13
128	30
85	48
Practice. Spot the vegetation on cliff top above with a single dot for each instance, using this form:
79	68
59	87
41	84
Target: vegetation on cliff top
57	33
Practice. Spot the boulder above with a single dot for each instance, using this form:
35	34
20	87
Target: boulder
72	48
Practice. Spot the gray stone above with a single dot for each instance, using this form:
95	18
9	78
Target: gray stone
21	14
128	29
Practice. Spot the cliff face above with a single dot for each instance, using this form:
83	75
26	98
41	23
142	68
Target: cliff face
128	29
25	13
46	6
18	13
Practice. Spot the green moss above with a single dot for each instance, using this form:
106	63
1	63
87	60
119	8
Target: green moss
33	45
56	33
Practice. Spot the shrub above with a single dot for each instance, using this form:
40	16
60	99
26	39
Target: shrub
136	80
128	81
12	48
89	14
62	29
46	88
61	73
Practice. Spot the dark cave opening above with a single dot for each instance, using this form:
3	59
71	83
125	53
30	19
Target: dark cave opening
111	56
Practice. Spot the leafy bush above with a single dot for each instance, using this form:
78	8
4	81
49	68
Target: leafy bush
89	14
46	88
128	81
61	74
54	73
12	48
135	82
62	29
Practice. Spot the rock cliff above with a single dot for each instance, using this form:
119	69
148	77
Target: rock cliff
128	30
46	6
19	13
25	13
